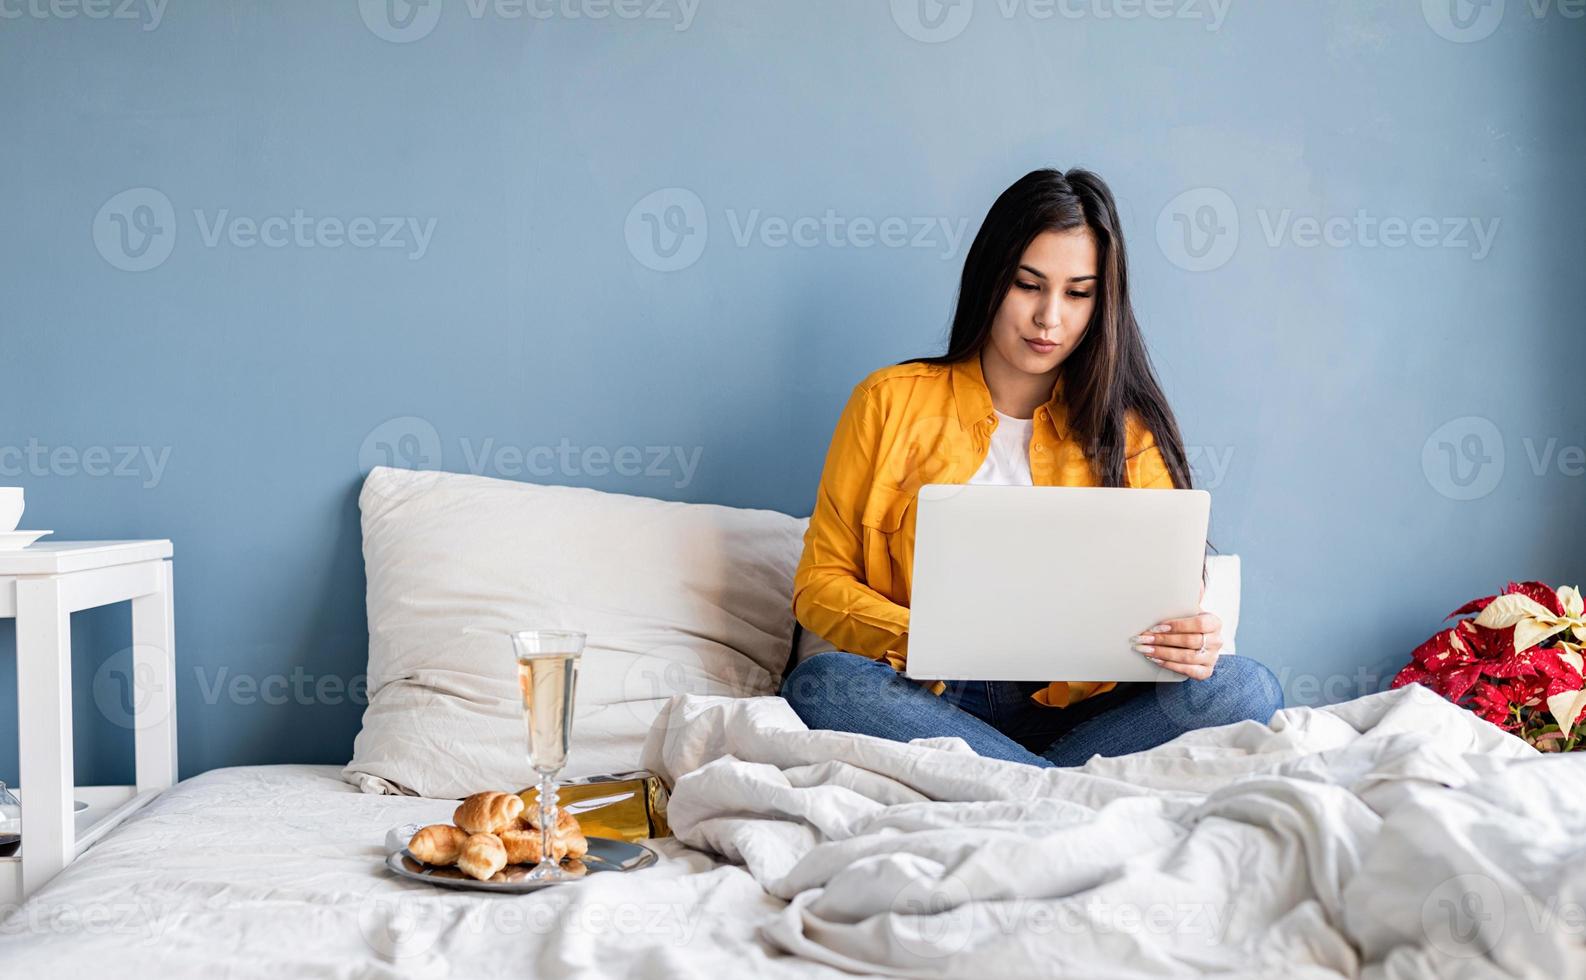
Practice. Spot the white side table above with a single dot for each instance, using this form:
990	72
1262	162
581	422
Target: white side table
41	586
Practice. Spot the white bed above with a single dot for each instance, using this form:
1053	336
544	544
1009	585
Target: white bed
277	871
1391	837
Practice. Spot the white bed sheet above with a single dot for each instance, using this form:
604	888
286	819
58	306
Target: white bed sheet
278	871
1389	838
1393	837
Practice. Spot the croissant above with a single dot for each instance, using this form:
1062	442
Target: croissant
568	837
566	823
577	845
493	830
482	856
438	844
488	813
571	835
523	846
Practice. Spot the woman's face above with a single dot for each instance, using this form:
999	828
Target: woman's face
1046	310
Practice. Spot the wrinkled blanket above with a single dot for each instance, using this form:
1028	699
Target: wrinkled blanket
1394	836
1391	837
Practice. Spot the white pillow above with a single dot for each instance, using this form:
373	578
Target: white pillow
1222	594
675	598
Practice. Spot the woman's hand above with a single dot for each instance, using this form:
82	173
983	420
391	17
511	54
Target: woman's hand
1184	646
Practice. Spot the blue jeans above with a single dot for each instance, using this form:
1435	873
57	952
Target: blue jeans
849	693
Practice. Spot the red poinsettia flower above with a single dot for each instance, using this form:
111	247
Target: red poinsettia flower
1536	591
1520	663
1494	702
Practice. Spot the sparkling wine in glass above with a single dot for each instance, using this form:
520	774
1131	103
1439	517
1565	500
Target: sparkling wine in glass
547	676
10	822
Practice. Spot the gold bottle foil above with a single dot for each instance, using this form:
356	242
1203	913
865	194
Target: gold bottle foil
629	806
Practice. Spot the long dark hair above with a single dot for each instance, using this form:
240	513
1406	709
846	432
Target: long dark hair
1109	374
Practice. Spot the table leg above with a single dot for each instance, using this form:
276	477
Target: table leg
44	729
154	672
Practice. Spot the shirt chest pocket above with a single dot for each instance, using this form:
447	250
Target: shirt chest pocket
884	530
884	508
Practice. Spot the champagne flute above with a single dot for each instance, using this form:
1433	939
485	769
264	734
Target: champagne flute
10	822
547	675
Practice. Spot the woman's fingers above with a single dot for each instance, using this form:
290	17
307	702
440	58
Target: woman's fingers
1198	672
1186	641
1185	651
1178	655
1202	623
1187	646
1198	633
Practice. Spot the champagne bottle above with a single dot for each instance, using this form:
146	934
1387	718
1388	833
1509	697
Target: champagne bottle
628	806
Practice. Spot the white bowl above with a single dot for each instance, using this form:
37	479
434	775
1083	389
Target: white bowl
10	508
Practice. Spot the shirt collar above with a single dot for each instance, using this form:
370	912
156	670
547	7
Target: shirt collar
973	398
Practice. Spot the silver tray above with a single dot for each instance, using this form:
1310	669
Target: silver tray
605	854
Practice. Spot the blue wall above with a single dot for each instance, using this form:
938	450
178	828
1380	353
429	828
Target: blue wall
1341	393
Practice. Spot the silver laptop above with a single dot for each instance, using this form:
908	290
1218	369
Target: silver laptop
1050	583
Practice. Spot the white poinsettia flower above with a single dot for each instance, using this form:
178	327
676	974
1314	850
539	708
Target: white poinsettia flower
1566	708
1532	621
1572	656
1569	599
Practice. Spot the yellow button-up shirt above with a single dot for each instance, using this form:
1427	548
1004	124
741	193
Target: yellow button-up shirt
903	427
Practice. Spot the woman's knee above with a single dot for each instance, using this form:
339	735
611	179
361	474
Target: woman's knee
1243	689
1239	689
828	681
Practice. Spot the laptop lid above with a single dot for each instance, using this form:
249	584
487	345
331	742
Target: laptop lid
1050	583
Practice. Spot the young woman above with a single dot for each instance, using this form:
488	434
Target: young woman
1045	381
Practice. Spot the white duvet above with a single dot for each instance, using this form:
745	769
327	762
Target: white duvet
1395	836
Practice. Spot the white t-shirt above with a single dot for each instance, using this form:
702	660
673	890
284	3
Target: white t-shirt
1008	461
